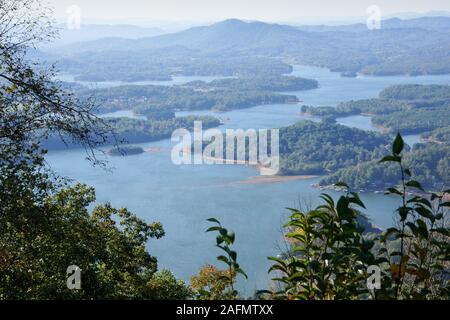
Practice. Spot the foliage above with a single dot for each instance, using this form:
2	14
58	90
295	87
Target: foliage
409	109
428	162
128	130
125	151
266	83
154	100
330	256
416	254
440	135
30	102
45	224
213	284
164	286
162	64
224	241
414	121
44	229
318	148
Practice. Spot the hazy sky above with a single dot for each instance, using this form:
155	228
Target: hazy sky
209	10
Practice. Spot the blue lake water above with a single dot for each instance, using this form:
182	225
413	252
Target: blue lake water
183	197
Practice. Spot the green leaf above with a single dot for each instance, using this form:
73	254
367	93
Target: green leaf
213	220
414	184
424	212
357	200
394	191
413	228
278	260
239	270
403	212
231	235
223	259
423	230
390	232
444	231
213	229
445	204
398	145
342	184
390	159
233	255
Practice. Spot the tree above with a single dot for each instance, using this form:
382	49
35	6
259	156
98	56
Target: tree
45	225
330	255
212	284
32	105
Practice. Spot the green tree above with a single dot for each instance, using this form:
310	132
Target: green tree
330	253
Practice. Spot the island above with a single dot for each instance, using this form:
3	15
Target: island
125	151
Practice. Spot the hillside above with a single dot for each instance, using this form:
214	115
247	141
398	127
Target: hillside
417	46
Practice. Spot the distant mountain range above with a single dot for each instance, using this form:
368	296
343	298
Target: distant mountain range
439	23
91	32
415	46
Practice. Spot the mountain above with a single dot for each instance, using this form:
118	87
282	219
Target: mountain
415	46
237	36
230	34
439	23
91	32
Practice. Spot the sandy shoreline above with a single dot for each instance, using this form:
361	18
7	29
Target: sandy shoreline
274	179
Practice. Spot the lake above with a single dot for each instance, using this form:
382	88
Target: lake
183	197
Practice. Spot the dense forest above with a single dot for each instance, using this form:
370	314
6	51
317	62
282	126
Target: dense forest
408	109
440	135
320	148
267	83
220	95
128	130
163	64
429	163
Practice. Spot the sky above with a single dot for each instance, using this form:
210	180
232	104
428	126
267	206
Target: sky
214	10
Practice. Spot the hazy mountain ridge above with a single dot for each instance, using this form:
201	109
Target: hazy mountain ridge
439	23
406	47
93	32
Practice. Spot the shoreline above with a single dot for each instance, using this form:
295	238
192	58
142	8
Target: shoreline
275	179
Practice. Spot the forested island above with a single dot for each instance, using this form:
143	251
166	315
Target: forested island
311	148
429	163
128	130
409	109
125	151
162	65
340	154
219	95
